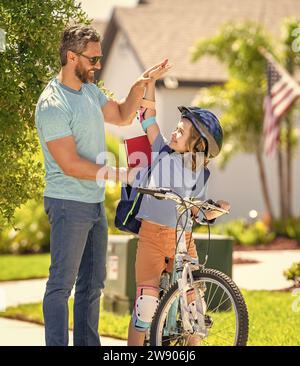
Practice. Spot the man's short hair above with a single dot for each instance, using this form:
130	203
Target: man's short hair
75	38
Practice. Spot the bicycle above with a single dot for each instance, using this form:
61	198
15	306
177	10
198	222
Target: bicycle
198	306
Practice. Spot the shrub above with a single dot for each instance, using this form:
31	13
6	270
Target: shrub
250	234
31	232
244	233
289	228
293	274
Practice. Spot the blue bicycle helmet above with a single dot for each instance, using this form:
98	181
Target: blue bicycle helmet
208	126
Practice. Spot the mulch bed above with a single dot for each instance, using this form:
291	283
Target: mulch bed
288	289
279	243
244	261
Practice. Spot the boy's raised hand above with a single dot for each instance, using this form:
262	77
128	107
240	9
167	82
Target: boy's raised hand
152	74
156	72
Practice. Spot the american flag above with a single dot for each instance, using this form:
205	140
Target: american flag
283	90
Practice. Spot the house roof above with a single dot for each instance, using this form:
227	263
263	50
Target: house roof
157	29
100	26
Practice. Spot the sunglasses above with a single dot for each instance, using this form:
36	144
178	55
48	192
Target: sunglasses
93	60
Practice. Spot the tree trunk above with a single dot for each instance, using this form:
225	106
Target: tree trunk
282	185
289	126
289	166
264	185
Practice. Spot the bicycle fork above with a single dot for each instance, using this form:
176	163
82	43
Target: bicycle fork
193	313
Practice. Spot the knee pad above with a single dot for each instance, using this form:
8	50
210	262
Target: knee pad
144	308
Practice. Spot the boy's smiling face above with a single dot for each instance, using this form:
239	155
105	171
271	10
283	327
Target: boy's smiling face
180	136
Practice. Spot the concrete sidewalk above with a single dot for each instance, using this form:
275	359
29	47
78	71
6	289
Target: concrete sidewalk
17	333
23	292
267	274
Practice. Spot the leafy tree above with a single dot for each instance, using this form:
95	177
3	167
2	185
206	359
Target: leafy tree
30	59
241	97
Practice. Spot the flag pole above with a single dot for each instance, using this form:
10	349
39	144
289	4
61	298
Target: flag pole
269	57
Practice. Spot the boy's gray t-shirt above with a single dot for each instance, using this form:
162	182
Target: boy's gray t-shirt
62	111
169	172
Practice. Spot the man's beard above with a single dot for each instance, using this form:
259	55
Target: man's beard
84	75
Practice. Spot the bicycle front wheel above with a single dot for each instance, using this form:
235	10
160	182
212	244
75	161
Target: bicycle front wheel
226	316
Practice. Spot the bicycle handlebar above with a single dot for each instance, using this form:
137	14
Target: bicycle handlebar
166	193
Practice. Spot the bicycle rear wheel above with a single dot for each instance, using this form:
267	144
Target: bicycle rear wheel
226	316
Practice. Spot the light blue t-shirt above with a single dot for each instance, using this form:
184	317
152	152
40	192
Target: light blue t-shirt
62	111
169	172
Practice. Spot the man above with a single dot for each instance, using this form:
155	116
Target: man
70	118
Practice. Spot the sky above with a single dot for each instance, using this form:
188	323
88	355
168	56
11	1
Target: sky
101	9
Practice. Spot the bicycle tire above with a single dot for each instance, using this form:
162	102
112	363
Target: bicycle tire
198	275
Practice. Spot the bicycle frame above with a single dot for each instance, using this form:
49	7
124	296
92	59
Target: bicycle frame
182	273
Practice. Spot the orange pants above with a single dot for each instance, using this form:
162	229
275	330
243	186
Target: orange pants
156	242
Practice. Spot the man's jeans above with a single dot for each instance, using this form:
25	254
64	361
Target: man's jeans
78	246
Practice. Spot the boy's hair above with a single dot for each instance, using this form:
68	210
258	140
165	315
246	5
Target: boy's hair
75	38
197	144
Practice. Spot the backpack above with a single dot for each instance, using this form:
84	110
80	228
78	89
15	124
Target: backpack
130	203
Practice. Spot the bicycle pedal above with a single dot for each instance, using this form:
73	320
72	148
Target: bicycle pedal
208	321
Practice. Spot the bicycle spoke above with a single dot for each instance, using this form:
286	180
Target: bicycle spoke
213	310
222	297
212	297
209	291
224	321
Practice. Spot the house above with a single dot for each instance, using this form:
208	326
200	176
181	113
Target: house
136	38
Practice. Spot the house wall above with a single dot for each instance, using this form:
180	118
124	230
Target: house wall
121	70
239	182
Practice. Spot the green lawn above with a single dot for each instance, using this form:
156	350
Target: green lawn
21	267
110	324
272	320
